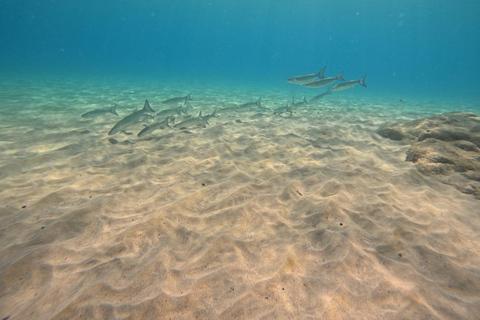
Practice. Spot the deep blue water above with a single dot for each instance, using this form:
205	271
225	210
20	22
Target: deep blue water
423	48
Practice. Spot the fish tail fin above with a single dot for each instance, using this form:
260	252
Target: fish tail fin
361	81
114	110
147	107
328	91
200	115
305	100
259	102
320	74
187	97
340	77
214	113
167	121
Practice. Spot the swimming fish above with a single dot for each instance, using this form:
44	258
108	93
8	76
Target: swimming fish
159	125
132	118
299	104
170	112
307	78
249	105
320	96
349	84
98	112
193	121
282	110
325	82
178	99
211	115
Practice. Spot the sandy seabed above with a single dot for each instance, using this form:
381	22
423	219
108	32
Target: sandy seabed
256	216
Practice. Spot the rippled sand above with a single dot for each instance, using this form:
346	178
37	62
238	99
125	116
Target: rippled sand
256	216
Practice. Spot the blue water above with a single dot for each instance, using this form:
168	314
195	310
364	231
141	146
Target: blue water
409	49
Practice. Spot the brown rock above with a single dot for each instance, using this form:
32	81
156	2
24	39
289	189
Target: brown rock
445	146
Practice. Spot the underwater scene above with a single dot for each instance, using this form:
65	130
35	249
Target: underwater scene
215	159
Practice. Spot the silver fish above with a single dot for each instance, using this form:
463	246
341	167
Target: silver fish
299	104
325	82
282	110
159	125
211	115
98	112
320	96
170	112
132	118
249	105
307	78
193	121
349	84
178	99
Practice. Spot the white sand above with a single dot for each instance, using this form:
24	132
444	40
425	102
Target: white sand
311	217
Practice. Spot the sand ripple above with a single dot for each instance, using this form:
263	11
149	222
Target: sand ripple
313	217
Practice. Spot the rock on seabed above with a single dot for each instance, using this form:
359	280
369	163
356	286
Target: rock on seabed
445	146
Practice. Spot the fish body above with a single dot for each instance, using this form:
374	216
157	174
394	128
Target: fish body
307	78
93	113
178	99
170	112
350	84
132	118
193	121
226	110
159	125
325	82
249	105
320	96
285	109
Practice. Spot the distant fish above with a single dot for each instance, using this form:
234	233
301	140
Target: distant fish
299	104
112	110
249	105
226	110
325	82
211	115
193	121
349	84
307	78
178	99
159	125
132	118
320	96
282	110
401	100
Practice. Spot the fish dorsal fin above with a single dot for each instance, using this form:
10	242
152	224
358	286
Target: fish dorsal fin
320	74
146	107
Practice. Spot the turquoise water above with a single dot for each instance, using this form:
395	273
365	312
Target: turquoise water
409	49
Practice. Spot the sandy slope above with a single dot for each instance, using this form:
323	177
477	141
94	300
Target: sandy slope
310	217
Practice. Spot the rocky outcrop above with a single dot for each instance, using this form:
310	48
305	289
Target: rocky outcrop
445	146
